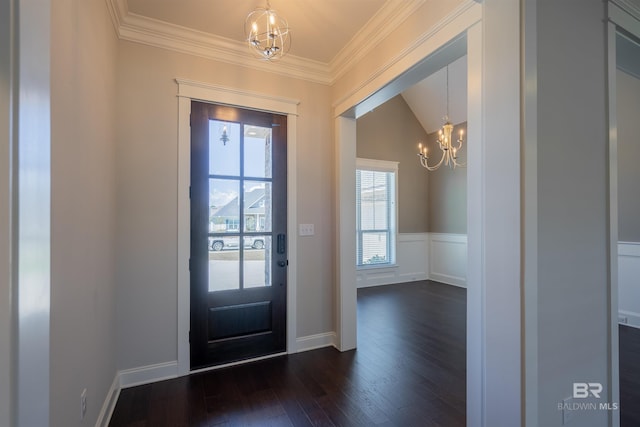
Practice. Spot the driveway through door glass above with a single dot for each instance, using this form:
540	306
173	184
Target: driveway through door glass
238	245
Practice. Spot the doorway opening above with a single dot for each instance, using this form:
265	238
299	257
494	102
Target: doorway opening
467	41
411	292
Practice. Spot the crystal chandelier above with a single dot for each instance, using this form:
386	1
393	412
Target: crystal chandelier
445	142
267	33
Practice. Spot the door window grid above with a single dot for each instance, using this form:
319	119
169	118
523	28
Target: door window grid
243	227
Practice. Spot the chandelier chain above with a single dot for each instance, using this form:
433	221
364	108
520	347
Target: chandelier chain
447	93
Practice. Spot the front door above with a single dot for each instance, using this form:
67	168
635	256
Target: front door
238	242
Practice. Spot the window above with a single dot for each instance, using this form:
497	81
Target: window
232	224
375	212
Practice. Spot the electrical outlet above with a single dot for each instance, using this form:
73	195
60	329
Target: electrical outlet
567	413
83	404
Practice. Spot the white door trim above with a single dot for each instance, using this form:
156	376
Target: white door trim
189	90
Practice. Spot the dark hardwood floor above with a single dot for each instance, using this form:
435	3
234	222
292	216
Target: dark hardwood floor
409	370
629	376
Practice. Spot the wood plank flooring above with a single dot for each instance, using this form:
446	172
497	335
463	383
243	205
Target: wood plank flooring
409	370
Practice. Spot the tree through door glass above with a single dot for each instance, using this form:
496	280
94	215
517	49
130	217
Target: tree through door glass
240	206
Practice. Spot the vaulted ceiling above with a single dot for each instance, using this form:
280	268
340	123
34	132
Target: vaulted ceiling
328	36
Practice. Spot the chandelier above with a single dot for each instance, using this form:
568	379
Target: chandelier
445	142
267	33
225	136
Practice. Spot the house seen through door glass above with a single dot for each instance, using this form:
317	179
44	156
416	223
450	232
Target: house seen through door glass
239	206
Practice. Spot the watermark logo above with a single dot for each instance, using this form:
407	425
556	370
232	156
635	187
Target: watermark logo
584	390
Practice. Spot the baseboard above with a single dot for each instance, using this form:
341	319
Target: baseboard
448	280
313	342
629	318
104	417
148	374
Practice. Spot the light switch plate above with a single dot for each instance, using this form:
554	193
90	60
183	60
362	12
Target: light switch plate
306	229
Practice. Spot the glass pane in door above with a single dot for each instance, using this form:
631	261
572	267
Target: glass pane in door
257	261
257	206
224	148
257	152
224	268
224	206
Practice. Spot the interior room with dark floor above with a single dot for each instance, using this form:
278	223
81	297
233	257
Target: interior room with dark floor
409	370
179	196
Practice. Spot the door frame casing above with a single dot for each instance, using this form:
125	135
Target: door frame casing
189	90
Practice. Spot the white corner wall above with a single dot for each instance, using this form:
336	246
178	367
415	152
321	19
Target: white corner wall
448	258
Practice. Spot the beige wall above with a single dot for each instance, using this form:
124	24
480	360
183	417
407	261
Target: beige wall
83	88
147	194
427	201
391	132
628	156
448	189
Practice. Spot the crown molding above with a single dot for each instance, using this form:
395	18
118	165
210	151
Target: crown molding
390	16
152	32
117	9
466	14
632	7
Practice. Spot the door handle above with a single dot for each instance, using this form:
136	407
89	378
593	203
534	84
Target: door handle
281	248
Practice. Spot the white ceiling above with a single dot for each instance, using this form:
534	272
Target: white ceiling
428	98
328	36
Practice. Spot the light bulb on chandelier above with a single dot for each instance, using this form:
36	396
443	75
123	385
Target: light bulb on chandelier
445	142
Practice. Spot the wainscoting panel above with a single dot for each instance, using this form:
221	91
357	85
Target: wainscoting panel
629	283
411	263
448	258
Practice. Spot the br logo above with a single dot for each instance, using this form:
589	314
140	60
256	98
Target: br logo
584	390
